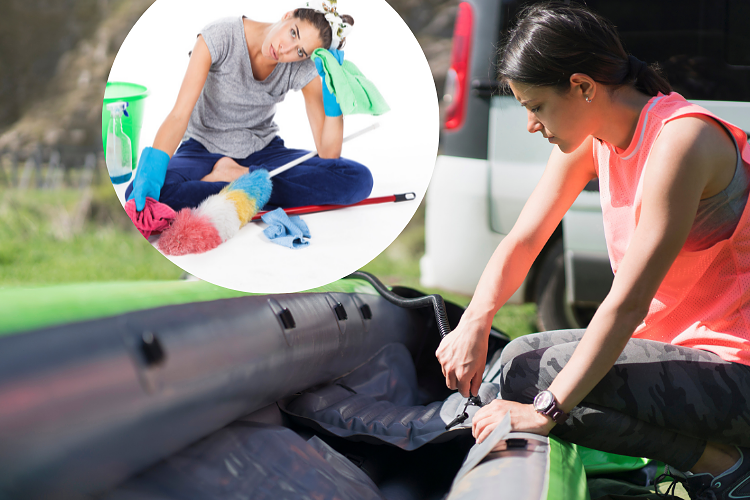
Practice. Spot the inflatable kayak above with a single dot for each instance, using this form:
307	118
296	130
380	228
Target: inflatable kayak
187	390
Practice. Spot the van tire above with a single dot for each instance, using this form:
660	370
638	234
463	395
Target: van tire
553	310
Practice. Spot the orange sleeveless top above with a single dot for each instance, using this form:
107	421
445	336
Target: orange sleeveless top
704	300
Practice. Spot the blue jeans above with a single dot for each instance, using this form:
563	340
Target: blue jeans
316	181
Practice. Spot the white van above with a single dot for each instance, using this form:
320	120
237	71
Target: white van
489	163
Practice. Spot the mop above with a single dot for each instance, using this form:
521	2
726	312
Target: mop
220	217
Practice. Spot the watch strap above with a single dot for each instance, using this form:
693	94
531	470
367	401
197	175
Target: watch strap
556	414
554	411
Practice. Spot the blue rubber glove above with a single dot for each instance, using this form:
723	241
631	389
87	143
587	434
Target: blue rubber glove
330	105
149	178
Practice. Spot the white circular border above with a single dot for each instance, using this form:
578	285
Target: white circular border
401	153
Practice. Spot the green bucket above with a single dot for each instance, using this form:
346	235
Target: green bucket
135	95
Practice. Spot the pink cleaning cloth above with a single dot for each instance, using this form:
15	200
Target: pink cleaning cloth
155	216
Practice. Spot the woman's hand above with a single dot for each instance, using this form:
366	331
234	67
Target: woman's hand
324	113
463	354
331	105
523	418
149	177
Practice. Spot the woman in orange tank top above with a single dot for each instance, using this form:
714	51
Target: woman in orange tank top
663	369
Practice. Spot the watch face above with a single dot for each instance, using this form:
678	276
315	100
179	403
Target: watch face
543	400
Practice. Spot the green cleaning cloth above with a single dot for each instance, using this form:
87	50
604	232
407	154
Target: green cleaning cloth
354	92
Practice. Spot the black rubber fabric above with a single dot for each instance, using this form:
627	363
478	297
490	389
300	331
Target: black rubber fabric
379	403
251	460
658	401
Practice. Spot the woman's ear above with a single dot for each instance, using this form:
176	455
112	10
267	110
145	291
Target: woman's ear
582	85
288	15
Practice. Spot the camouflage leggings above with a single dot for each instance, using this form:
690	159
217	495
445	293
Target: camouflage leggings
658	401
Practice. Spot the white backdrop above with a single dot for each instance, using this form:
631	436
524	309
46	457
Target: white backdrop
400	154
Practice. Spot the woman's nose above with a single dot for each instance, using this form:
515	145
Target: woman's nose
533	125
287	50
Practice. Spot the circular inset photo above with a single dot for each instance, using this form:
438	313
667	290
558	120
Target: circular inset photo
270	147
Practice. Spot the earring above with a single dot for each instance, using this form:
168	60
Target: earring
588	99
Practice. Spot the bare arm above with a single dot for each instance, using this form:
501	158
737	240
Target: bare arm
328	131
174	126
462	354
563	180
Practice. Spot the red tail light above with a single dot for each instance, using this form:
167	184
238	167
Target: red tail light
456	85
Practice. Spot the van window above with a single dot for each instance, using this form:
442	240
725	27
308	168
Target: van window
703	46
738	33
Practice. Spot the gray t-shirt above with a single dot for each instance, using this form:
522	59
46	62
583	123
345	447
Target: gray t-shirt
234	113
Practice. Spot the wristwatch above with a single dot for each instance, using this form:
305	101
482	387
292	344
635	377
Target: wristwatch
546	404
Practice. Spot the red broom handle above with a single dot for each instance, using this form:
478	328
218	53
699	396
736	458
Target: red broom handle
311	209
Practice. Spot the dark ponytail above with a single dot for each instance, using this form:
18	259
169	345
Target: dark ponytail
552	40
318	19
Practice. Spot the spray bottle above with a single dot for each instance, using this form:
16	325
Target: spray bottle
119	155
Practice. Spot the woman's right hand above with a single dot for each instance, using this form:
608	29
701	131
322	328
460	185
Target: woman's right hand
463	354
149	177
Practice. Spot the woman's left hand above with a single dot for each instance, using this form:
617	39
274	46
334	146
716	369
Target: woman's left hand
523	418
331	106
338	54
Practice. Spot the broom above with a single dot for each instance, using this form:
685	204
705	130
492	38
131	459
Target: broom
220	216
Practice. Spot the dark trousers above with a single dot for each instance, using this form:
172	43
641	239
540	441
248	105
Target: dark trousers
658	401
317	181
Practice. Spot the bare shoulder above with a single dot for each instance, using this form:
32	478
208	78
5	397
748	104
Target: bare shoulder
699	145
696	135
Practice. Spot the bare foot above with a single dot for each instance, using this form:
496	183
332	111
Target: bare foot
716	459
225	170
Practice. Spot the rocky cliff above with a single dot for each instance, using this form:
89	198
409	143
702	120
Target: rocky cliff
54	59
55	56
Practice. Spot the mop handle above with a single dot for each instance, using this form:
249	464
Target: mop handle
309	155
314	209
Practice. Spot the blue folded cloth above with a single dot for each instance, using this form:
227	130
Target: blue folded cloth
284	230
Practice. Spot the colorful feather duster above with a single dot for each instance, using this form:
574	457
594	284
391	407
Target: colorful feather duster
219	217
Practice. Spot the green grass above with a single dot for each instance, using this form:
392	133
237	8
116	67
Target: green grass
44	241
40	242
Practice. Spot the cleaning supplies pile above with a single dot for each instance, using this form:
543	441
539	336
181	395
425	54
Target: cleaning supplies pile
222	215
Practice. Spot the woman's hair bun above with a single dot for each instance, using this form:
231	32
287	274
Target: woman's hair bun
348	19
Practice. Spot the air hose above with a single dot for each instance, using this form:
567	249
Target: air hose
435	300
